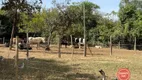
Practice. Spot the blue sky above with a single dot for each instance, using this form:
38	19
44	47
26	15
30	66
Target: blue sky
105	5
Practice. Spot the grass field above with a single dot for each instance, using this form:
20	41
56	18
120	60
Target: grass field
47	65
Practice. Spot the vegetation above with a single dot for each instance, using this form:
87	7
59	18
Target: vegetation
5	24
14	8
65	19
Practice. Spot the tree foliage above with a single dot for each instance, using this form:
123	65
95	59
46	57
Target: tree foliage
67	19
5	24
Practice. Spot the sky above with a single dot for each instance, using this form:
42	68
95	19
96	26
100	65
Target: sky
106	6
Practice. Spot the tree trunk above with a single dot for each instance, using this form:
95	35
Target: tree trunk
51	29
12	34
13	28
48	42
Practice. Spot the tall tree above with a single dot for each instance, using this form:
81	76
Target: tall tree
14	7
129	14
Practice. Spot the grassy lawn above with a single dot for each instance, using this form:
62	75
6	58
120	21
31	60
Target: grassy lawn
47	66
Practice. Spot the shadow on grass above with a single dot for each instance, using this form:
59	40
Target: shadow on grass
39	69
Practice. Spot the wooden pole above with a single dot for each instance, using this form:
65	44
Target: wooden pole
72	45
119	44
27	44
94	40
89	50
59	47
38	45
85	51
16	59
135	44
110	45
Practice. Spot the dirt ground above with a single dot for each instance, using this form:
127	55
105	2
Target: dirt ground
91	51
96	58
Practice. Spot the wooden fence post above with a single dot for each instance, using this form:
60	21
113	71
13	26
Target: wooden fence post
94	40
135	44
59	46
38	45
27	45
119	44
16	59
72	45
110	45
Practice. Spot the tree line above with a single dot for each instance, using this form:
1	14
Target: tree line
66	18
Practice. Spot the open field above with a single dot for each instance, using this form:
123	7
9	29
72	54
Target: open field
47	65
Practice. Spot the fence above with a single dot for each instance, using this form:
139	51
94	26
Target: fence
127	46
39	69
3	40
